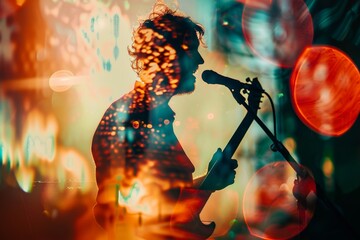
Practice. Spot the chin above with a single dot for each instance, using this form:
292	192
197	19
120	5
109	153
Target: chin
186	86
185	90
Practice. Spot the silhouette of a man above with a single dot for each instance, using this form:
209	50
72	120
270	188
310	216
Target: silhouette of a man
142	171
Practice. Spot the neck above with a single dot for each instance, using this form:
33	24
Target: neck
160	112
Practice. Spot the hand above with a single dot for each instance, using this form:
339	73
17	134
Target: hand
220	173
304	186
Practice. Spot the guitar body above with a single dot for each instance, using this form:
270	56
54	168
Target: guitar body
179	217
186	215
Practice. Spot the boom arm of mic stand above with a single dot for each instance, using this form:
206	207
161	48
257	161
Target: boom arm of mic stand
320	193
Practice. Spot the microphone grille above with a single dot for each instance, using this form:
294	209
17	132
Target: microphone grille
209	76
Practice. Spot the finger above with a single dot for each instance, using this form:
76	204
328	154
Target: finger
218	153
224	172
230	164
217	156
231	178
234	163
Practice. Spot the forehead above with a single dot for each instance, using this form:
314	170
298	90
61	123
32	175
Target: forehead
191	40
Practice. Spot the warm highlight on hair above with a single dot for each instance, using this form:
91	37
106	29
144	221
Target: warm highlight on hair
156	38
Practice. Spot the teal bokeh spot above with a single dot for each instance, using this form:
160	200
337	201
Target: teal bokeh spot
92	28
85	36
107	65
116	25
116	52
27	151
231	234
130	135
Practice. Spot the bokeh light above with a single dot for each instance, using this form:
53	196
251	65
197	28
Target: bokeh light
277	30
8	7
325	88
61	80
270	209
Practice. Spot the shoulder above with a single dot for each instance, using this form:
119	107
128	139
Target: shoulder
114	115
118	111
124	111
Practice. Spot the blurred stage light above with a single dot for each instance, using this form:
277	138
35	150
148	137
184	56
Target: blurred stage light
277	30
325	90
270	209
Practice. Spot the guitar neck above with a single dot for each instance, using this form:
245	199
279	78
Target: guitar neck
237	137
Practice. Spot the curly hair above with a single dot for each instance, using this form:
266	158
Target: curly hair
157	39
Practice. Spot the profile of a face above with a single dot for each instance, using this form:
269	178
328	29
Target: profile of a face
165	53
189	61
169	70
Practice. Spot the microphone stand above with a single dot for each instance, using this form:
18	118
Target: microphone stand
278	146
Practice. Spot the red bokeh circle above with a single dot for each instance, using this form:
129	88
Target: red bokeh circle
270	209
325	90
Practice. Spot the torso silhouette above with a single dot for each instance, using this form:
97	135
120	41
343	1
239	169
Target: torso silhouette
140	164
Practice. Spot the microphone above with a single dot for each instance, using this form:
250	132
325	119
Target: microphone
211	77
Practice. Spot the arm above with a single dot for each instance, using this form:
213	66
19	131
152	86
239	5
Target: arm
220	174
197	181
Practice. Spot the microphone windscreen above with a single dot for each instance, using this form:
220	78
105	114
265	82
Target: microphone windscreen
209	76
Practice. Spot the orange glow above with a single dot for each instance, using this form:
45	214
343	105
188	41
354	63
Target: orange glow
20	2
290	144
325	89
270	209
277	36
328	167
74	165
8	7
